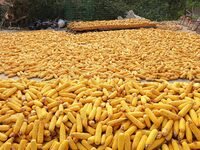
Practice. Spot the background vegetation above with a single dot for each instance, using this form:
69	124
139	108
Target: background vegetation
23	12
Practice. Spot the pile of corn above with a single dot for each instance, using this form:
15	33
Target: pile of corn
99	114
110	24
126	54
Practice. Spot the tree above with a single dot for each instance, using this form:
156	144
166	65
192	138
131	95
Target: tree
96	9
176	7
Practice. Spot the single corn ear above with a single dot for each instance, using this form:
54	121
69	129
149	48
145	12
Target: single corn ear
98	133
188	133
40	136
185	145
185	109
151	138
52	124
55	145
167	128
121	141
63	135
141	144
34	131
127	142
33	144
72	144
64	145
137	139
175	144
194	130
18	123
22	144
3	137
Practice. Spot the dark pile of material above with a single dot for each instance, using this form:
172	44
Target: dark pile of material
55	24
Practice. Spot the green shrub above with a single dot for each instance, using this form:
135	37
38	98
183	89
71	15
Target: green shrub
97	9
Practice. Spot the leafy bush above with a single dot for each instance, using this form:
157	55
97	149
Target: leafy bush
96	9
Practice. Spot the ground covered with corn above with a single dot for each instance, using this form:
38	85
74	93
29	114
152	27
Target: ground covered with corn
93	100
99	114
127	54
